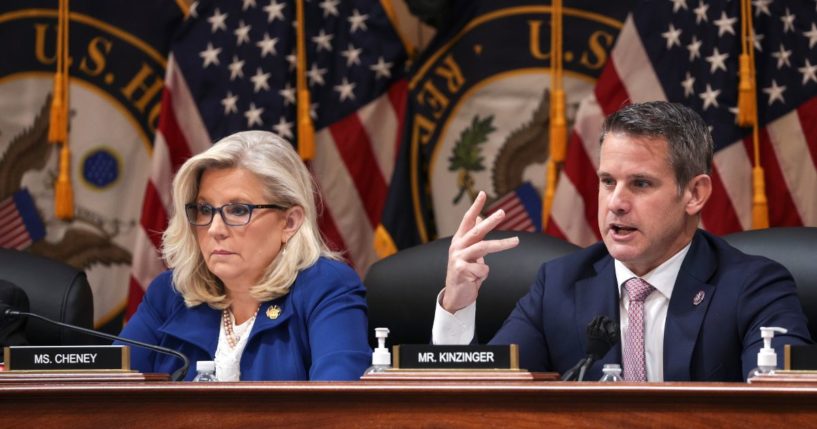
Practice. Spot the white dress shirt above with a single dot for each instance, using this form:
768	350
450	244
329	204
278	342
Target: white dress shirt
458	328
228	358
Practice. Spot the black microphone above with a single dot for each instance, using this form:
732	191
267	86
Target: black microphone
602	335
179	374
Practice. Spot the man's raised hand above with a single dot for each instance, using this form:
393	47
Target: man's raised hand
466	256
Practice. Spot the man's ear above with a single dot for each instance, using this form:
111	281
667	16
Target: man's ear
698	191
294	219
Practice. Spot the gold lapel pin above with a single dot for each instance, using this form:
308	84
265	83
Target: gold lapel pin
273	311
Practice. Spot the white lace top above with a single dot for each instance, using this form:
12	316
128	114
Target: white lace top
228	359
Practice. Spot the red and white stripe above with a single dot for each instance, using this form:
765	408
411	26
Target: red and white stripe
788	152
353	164
354	160
516	217
13	232
181	133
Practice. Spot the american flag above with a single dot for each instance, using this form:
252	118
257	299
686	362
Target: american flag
523	210
233	67
21	224
687	51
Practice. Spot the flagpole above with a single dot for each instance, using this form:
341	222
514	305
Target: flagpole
558	122
306	130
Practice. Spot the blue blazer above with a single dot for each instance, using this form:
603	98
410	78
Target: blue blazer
716	340
320	333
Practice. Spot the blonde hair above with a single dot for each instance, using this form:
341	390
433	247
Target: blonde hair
286	182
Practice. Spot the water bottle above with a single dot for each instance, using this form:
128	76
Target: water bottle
612	372
205	371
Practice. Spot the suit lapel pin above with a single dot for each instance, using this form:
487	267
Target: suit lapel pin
699	297
273	311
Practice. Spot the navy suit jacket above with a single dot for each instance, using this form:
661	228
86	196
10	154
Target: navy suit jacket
715	340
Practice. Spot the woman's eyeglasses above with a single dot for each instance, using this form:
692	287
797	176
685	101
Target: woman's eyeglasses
234	214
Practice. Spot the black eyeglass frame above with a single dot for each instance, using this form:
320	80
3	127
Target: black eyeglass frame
220	210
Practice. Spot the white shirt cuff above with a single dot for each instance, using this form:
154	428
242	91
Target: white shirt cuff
457	328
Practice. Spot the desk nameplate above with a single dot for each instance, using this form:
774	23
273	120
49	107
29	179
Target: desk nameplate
461	357
67	358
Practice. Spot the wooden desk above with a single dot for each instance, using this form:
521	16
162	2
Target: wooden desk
386	404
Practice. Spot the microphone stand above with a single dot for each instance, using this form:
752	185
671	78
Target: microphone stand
177	375
601	335
586	364
570	374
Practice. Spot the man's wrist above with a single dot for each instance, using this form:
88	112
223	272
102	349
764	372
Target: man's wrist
442	302
453	327
448	305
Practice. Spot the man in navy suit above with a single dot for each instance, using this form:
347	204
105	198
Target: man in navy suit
703	302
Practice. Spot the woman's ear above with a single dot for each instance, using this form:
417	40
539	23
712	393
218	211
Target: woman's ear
294	219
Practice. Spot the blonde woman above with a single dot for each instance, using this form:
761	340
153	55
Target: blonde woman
252	285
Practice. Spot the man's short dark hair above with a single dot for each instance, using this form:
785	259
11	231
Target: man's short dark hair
690	142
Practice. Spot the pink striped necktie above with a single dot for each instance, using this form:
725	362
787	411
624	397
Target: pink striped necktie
635	368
